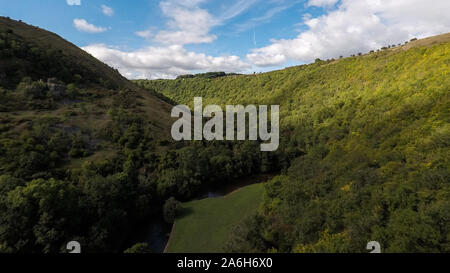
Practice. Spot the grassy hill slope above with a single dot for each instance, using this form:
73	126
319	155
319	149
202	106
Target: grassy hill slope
31	56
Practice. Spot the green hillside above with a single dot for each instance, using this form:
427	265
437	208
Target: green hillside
373	133
73	135
47	72
86	155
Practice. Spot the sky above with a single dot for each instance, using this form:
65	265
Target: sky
166	38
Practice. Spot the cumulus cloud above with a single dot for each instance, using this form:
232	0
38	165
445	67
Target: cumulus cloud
163	62
188	24
108	11
357	26
73	2
83	25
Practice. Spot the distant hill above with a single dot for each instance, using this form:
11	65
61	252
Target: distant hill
208	75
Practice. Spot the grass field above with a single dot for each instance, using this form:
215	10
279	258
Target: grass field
203	225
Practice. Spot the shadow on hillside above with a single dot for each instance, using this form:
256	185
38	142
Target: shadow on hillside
183	212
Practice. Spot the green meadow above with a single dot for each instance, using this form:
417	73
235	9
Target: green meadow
203	225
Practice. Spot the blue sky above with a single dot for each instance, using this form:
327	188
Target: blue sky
163	39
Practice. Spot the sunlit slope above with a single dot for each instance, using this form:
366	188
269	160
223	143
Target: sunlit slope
326	86
373	131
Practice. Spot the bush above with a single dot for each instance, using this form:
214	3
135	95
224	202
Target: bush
72	91
35	90
170	209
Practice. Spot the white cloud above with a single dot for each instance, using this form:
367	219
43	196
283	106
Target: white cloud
73	2
190	24
358	26
322	3
145	33
108	11
187	23
83	25
163	62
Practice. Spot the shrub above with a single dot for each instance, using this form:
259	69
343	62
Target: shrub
31	89
170	209
72	91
